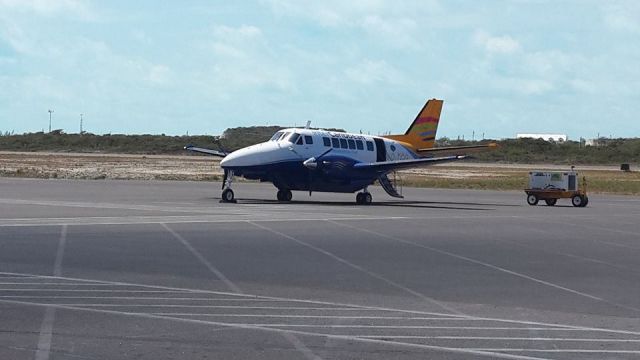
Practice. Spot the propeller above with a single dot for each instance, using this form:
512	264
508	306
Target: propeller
312	164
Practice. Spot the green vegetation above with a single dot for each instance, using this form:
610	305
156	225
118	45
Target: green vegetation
531	151
57	141
535	151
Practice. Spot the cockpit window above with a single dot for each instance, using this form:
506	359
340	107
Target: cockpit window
299	141
276	136
294	137
284	136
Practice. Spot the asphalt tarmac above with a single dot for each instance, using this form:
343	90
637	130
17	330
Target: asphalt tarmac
162	270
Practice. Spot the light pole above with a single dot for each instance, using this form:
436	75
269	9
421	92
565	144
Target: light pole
50	111
80	124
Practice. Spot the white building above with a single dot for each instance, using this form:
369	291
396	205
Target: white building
547	137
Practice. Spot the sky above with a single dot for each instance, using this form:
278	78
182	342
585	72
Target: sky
199	67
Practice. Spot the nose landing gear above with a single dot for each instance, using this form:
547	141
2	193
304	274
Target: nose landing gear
227	194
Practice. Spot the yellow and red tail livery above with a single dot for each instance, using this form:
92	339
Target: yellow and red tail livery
422	132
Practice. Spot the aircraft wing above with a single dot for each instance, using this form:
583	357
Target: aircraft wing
205	151
453	149
385	166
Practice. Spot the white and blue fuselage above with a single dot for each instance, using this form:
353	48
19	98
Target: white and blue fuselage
317	160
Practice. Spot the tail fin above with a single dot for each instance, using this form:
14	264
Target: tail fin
422	132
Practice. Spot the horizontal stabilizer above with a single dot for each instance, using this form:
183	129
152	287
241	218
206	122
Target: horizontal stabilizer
386	166
205	151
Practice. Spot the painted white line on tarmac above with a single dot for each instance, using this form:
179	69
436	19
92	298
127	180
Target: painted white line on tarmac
337	304
288	308
297	344
46	329
202	259
491	338
495	355
491	266
577	351
319	317
430	327
136	298
362	269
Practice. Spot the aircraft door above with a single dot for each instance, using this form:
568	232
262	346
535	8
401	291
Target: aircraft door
381	150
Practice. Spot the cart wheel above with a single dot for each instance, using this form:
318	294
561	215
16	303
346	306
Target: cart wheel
577	201
551	202
532	200
585	201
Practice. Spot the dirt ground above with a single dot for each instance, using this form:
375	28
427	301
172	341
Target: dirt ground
604	179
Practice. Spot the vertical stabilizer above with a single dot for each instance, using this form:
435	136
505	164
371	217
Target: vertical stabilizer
422	132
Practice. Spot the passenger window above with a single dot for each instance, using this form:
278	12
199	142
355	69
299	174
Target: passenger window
294	137
359	145
299	141
343	144
352	144
327	141
308	139
369	145
335	142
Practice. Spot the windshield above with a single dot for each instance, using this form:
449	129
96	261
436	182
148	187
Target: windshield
276	136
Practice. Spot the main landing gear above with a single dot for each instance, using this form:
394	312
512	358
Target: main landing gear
227	193
364	197
284	195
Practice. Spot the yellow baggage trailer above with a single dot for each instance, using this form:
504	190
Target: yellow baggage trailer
553	185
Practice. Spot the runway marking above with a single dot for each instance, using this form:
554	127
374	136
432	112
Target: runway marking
202	259
246	296
290	331
361	269
297	344
219	307
318	316
489	338
133	298
603	351
46	328
92	290
491	266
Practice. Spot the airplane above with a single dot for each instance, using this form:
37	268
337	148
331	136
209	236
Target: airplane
303	159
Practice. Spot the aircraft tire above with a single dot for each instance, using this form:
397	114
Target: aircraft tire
227	195
284	195
532	200
367	198
359	198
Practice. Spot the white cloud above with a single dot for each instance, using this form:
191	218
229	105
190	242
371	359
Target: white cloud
371	71
73	8
623	18
158	74
496	44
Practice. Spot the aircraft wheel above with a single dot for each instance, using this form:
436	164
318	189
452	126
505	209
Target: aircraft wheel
284	195
532	200
363	198
551	202
227	195
577	201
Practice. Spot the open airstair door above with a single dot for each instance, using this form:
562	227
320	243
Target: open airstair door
389	187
